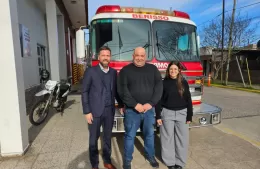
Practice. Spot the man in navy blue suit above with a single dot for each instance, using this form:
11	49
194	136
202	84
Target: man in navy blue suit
98	101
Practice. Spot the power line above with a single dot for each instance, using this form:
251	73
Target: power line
209	7
252	18
246	6
229	11
255	17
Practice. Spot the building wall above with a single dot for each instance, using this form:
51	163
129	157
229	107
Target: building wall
234	73
62	47
34	19
235	76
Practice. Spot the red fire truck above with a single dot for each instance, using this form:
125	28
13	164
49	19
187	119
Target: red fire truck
165	35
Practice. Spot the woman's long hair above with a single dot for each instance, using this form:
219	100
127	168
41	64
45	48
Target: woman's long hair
179	76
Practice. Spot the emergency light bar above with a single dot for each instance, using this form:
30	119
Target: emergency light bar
118	9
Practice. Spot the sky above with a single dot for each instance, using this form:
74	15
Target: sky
200	11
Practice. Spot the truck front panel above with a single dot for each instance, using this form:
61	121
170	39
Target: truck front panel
165	38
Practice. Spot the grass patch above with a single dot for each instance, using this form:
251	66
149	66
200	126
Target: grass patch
235	86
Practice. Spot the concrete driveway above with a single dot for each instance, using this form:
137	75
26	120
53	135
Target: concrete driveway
62	143
241	112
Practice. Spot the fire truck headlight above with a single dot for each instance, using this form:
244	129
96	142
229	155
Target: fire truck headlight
203	120
198	82
215	118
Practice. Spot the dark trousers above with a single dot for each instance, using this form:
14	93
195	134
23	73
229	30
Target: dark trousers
106	120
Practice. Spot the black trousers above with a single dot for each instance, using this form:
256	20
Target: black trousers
106	120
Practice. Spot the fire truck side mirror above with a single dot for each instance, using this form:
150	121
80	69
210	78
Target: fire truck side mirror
80	44
88	57
198	41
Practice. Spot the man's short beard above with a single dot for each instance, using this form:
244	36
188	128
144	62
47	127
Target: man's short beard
105	66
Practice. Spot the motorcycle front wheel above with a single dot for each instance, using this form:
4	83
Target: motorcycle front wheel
41	110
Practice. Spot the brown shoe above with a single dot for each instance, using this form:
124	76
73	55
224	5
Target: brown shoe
109	166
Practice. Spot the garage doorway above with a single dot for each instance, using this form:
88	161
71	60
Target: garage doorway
42	62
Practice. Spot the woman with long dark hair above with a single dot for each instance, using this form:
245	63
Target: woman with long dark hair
174	113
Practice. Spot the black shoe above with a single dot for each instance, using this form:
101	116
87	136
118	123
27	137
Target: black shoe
153	162
171	167
177	167
127	165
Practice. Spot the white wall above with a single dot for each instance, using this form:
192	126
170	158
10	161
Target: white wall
13	126
33	18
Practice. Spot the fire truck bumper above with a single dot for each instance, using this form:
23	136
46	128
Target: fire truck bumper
203	115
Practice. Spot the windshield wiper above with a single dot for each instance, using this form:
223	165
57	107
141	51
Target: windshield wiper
160	49
157	44
145	46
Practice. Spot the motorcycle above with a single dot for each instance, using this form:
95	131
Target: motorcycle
53	95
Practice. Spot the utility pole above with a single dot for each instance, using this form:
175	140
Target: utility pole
230	40
222	41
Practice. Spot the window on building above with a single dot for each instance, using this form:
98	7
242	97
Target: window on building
41	59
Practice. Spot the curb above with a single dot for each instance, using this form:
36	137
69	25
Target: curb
236	88
239	135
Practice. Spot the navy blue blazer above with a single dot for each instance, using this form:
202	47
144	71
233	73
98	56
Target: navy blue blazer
93	91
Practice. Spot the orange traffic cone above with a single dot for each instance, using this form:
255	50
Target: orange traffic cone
209	79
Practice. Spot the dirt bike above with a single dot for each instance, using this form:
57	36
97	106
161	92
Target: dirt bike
53	95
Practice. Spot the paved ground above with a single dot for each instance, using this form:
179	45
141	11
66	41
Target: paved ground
241	112
234	103
246	128
62	143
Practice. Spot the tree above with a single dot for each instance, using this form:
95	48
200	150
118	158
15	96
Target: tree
243	32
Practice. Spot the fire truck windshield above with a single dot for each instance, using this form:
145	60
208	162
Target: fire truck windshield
121	36
175	41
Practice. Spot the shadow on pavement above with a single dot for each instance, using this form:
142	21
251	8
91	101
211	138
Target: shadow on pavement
69	103
117	158
76	89
34	131
157	146
120	142
82	162
139	145
157	143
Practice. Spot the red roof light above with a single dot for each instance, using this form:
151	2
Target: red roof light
118	9
108	8
181	14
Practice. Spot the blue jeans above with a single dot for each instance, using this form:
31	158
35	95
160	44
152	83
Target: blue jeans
132	121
